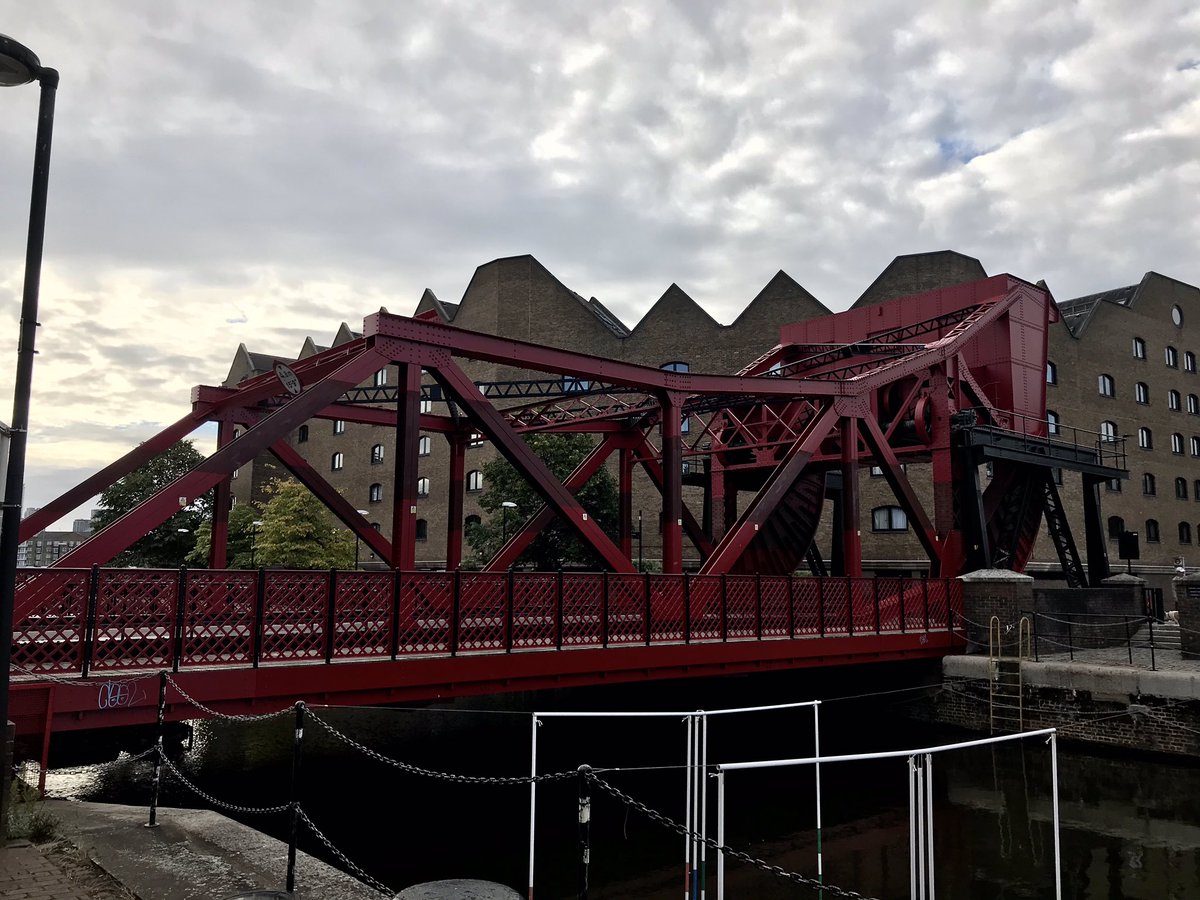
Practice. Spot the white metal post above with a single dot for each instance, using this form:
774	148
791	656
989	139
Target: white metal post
931	878
532	799
921	831
912	828
720	835
703	774
817	752
687	816
1054	787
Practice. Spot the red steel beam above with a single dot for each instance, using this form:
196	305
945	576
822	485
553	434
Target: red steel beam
155	510
492	422
404	480
897	479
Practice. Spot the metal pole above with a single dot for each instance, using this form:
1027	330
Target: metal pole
1057	829
929	820
687	812
532	799
162	715
297	753
817	752
641	565
720	835
585	819
703	809
921	832
10	519
912	828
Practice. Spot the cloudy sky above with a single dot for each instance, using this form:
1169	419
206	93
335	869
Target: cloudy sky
260	171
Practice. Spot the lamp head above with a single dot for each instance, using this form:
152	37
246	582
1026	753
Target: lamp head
508	504
18	64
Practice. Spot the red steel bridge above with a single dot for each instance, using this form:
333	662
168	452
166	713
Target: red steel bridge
935	383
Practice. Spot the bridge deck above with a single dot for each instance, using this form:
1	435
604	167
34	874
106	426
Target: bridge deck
88	644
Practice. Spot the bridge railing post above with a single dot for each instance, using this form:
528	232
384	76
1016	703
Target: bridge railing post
724	607
903	629
293	838
177	629
648	618
821	605
509	604
158	758
849	606
875	585
925	591
455	610
949	607
604	609
397	588
791	599
687	609
558	610
330	615
758	605
260	610
89	623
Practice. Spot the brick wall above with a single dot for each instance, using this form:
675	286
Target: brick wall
1096	615
1187	604
994	592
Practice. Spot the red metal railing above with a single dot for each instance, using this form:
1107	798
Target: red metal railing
76	621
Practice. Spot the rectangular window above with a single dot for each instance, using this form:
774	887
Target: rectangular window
339	426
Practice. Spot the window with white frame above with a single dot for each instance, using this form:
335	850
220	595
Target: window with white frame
422	487
1177	444
1052	425
1108	431
1181	489
1145	438
1107	387
1172	356
426	407
1189	361
339	426
375	493
377	454
380	378
1051	372
1141	393
1139	348
1173	400
336	462
1193	405
888	518
475	480
1149	488
424	445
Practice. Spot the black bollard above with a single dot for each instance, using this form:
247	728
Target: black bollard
585	819
158	759
297	750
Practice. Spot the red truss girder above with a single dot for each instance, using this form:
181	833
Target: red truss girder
866	376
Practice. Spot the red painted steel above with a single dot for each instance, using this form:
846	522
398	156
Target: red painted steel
212	627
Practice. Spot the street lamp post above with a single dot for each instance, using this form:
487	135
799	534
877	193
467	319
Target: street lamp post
505	505
20	65
254	526
361	512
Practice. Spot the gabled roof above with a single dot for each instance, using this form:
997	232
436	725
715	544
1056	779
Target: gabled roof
676	302
1078	313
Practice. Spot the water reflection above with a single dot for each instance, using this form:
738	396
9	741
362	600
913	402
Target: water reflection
1130	828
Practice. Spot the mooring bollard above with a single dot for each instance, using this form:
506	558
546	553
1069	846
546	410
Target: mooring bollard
158	759
297	751
585	819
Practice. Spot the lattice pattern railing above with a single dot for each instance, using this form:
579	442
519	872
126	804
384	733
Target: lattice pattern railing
113	619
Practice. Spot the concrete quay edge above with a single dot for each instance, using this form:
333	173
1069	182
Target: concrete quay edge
1100	680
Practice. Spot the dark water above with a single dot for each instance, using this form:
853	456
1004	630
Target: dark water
1130	826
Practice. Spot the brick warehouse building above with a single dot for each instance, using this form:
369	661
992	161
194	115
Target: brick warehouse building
1120	364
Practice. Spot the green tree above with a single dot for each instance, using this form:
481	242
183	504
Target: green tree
556	545
168	544
298	532
239	545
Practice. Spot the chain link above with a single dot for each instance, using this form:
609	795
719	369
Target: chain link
78	681
229	717
431	773
355	870
711	844
221	804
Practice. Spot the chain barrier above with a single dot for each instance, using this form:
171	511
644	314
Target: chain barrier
220	804
712	844
79	681
355	870
432	773
229	717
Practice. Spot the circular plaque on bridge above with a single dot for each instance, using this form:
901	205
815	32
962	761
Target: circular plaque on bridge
288	378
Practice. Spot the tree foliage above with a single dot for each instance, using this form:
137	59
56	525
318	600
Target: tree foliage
168	544
556	545
298	532
239	544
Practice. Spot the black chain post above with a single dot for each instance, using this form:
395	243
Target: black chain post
585	820
455	609
180	607
604	609
297	753
89	625
508	610
162	715
331	616
687	610
260	607
646	577
397	587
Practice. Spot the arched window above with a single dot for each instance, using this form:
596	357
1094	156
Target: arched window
1139	348
1141	393
1193	404
1051	422
675	367
375	493
1108	431
1051	373
1172	360
1148	487
424	446
888	518
1173	400
1108	387
1115	526
380	378
1145	438
1177	444
302	434
473	520
422	487
1185	533
336	462
1152	531
1181	486
377	454
339	426
1195	445
1113	485
422	530
474	480
1189	361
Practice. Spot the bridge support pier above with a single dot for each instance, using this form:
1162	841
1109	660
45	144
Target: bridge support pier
993	592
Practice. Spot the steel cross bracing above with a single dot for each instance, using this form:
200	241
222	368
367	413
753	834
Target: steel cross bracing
876	385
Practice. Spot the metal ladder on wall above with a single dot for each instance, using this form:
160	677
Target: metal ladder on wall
1006	704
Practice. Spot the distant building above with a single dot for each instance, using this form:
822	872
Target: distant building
45	547
82	526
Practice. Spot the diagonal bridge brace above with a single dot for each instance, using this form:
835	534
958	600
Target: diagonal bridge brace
155	510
